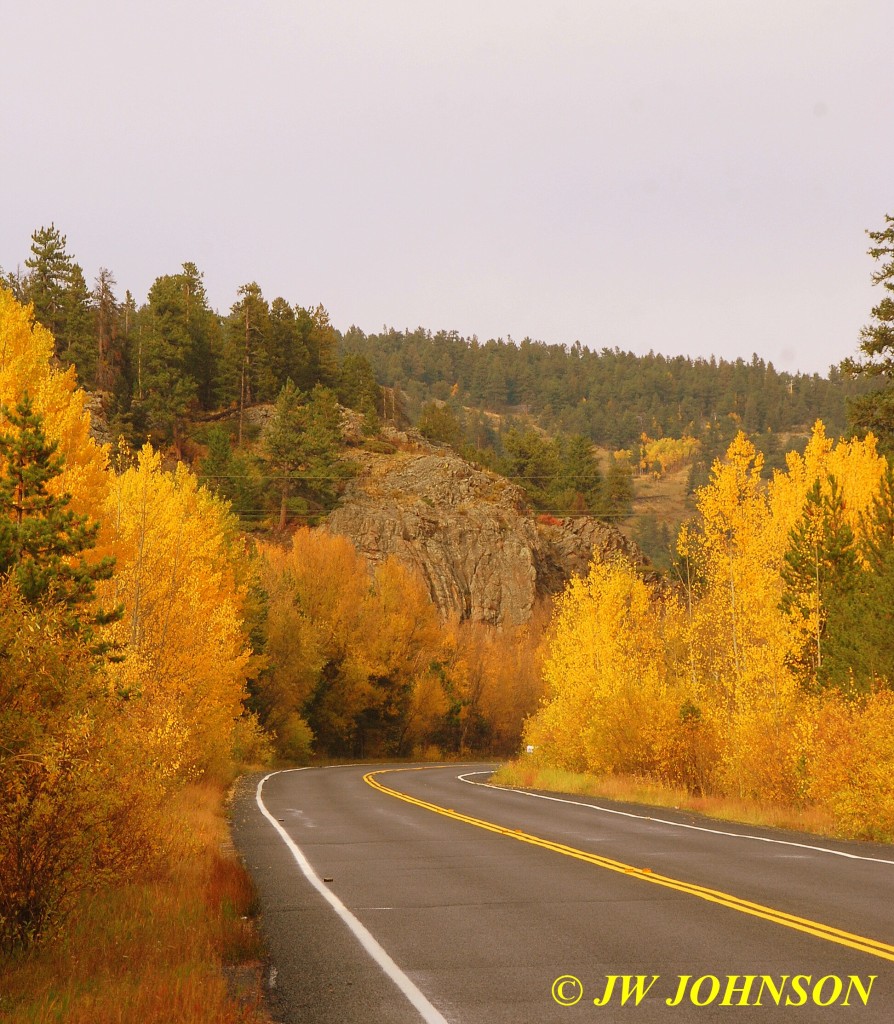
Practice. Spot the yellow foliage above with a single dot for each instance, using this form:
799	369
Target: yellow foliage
512	681
359	655
26	350
349	649
89	749
667	452
495	681
184	649
697	688
740	638
852	762
606	675
78	799
316	592
857	470
856	466
403	627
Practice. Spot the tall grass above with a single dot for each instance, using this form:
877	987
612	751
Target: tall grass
524	774
177	947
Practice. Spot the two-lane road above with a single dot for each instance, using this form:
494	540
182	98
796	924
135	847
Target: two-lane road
405	894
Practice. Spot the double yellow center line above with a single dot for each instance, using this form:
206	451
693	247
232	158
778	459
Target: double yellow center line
821	931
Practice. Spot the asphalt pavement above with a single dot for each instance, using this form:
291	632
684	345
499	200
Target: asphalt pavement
397	894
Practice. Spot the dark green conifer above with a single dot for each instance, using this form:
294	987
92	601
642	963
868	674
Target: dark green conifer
301	448
50	267
821	573
231	475
41	539
875	411
861	629
580	480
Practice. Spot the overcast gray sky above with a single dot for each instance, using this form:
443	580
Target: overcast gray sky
688	176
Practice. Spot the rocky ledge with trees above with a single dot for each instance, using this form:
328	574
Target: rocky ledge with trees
468	533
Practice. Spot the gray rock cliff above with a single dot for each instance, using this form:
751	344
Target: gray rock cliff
468	533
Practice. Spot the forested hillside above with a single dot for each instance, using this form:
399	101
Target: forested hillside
174	371
165	359
162	363
611	397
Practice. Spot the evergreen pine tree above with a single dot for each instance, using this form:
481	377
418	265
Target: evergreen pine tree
580	476
533	463
289	355
250	376
109	354
322	345
617	489
231	476
301	447
174	358
62	302
357	386
79	338
875	411
820	574
438	423
50	268
41	539
862	628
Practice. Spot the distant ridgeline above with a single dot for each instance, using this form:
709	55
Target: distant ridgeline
176	372
610	396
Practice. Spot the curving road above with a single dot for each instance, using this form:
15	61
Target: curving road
406	894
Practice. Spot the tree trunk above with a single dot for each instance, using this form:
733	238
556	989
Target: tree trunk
283	508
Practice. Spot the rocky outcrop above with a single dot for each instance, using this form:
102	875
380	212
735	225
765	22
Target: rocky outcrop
467	532
94	403
569	546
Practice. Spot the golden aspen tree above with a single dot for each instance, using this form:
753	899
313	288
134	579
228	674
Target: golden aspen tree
493	682
858	469
739	556
667	453
852	762
315	593
462	677
89	749
855	464
184	648
697	685
605	672
319	586
742	638
826	494
293	656
78	798
77	801
403	639
512	680
350	651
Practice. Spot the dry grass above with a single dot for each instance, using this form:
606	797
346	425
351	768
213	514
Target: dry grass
626	789
169	948
664	497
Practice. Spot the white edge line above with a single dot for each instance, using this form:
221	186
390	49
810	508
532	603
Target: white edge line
428	1013
664	821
